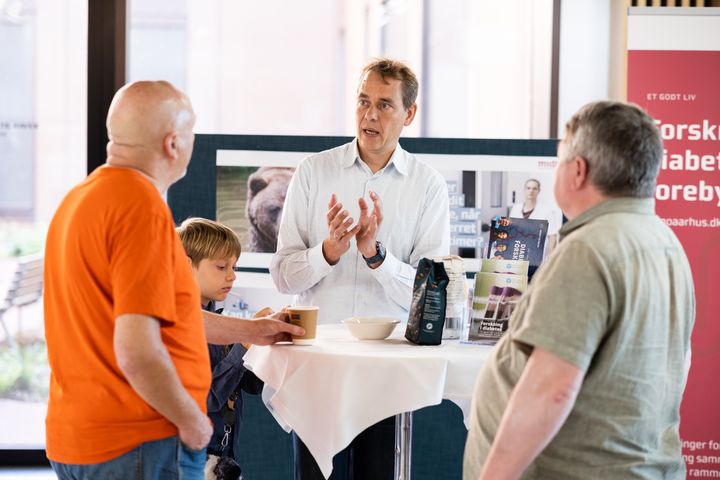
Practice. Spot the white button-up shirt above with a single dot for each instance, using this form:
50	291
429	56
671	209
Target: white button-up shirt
416	224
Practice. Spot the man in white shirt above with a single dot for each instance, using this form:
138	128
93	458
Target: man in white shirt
363	264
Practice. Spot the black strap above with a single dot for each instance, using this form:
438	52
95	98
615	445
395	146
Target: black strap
228	413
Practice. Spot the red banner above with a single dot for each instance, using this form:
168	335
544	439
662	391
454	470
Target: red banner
680	90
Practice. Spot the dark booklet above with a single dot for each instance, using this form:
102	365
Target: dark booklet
518	239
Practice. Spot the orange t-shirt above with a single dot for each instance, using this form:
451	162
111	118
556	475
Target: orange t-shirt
112	250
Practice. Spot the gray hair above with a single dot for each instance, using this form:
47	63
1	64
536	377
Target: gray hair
622	147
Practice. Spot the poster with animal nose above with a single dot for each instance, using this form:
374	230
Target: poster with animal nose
250	201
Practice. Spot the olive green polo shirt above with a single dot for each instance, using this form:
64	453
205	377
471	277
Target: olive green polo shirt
615	299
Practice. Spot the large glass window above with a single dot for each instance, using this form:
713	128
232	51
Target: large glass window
291	68
272	67
43	90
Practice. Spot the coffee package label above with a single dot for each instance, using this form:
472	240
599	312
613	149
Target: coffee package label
457	296
429	301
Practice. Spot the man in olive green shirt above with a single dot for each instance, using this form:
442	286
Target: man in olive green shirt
587	382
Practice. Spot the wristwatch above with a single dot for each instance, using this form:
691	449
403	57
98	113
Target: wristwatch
379	254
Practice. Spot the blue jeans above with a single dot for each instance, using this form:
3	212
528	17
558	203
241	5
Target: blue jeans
158	460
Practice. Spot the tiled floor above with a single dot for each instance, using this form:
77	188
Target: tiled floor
27	474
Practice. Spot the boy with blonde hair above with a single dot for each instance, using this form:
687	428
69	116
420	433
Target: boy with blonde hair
212	250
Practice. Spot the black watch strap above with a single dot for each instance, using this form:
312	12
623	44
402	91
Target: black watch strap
379	254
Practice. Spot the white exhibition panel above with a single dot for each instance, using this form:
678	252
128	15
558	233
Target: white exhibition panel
694	29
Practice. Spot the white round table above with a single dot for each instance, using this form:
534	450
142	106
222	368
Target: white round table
331	391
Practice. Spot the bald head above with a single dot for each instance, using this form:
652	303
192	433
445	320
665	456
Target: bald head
143	113
150	129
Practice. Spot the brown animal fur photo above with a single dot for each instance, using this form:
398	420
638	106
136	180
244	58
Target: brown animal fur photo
266	192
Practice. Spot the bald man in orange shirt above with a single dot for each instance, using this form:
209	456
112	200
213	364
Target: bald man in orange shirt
126	340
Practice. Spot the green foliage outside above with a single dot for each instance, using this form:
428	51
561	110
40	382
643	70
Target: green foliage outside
24	372
18	239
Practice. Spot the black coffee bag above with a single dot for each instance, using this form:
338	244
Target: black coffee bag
427	309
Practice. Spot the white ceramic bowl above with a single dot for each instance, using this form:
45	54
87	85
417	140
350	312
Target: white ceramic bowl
371	328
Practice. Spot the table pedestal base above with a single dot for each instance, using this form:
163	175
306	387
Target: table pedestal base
403	445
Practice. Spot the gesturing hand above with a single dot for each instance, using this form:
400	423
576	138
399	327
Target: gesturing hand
369	224
339	232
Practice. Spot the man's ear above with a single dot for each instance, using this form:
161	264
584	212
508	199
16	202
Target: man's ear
170	145
581	172
410	115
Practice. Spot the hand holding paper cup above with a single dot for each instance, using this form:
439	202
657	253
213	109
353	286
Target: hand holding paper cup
262	313
305	317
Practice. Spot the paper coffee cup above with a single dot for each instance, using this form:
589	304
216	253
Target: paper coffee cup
305	317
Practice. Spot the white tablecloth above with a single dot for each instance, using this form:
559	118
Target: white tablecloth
333	390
